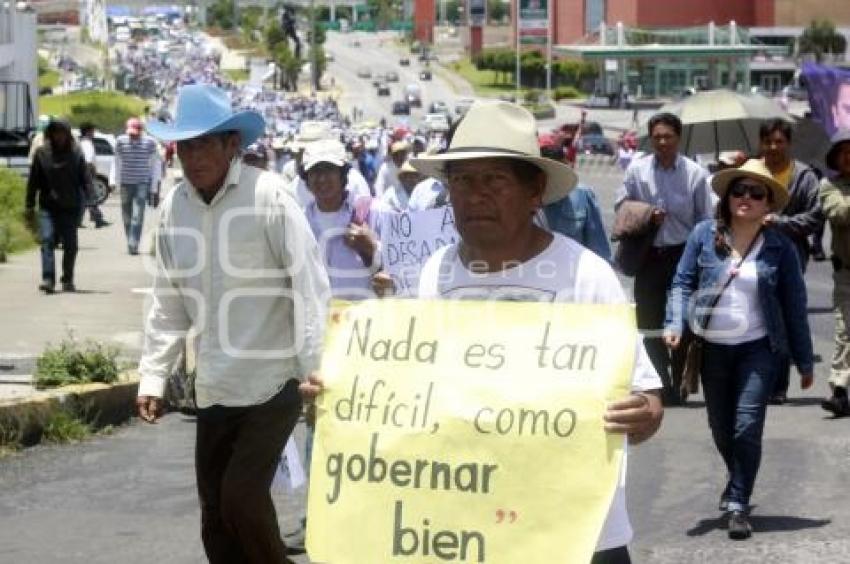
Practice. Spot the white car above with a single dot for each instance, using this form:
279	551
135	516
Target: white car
122	34
436	122
104	157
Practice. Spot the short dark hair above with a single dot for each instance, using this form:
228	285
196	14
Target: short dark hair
668	119
86	128
769	127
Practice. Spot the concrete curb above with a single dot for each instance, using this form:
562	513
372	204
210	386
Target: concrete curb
22	419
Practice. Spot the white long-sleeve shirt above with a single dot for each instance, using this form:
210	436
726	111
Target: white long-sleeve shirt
244	274
387	178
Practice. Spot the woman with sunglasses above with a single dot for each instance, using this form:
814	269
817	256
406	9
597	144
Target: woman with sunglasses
739	287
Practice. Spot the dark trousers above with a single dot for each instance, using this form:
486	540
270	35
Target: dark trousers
237	450
619	555
737	381
55	226
652	282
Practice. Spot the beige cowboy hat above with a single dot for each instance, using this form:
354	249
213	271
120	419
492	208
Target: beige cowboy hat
500	129
755	169
310	131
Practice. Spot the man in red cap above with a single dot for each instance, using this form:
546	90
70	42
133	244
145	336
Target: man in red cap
135	156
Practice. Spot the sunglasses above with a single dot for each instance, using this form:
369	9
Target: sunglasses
754	191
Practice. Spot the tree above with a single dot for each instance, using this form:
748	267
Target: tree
497	10
821	38
220	14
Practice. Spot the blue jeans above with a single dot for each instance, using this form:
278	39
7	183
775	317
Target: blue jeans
134	197
737	381
53	227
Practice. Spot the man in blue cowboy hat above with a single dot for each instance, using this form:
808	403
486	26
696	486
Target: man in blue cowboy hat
238	265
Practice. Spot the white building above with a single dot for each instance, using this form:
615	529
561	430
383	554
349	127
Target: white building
18	63
93	18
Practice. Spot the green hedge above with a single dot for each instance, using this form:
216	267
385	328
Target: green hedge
108	111
15	235
565	92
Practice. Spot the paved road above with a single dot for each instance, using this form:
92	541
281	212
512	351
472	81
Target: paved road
134	490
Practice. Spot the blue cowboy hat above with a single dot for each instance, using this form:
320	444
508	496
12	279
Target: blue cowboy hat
203	109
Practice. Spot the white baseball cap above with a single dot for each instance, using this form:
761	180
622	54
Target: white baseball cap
324	151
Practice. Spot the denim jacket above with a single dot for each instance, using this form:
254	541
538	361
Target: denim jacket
578	217
782	293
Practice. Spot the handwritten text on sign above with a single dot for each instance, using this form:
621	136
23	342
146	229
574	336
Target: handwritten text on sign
409	238
467	431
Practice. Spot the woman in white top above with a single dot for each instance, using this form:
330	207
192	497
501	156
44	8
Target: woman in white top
739	286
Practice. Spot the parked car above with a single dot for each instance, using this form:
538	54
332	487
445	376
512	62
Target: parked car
425	75
364	72
401	107
392	76
436	122
404	62
383	90
463	106
594	144
104	159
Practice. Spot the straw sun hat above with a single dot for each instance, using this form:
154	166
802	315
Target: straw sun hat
755	169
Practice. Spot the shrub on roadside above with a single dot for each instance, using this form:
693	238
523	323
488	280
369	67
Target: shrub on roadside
565	92
15	234
73	363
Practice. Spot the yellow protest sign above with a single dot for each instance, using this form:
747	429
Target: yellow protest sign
467	431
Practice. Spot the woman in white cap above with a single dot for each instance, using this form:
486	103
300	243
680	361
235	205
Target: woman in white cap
497	181
749	308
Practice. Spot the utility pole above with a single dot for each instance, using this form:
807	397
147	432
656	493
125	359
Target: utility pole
235	15
314	75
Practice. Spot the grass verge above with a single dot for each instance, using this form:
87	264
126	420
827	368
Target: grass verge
236	75
15	234
485	82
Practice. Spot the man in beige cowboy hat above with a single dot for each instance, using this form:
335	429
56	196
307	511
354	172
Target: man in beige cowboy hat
497	181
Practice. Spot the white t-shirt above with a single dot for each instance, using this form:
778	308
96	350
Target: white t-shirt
564	272
737	317
87	147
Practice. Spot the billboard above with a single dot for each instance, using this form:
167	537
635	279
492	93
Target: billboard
533	21
477	12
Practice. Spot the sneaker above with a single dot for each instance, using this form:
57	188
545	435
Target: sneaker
102	224
818	255
840	407
47	287
68	287
133	251
739	526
